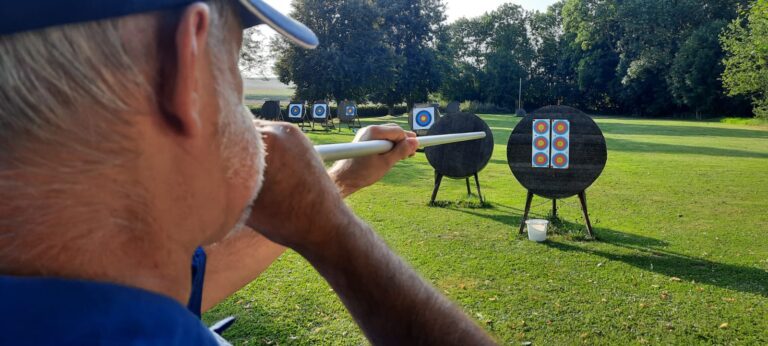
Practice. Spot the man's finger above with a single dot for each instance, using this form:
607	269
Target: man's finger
390	133
404	150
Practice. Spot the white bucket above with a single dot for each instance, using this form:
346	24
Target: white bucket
537	230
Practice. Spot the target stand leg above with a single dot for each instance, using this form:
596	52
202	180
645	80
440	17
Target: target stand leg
479	194
469	189
528	200
583	199
438	180
554	209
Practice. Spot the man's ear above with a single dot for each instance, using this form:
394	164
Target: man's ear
182	100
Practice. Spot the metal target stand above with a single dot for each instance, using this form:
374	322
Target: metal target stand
325	120
300	119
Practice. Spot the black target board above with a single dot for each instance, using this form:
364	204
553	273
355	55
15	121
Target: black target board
270	110
464	159
568	152
557	152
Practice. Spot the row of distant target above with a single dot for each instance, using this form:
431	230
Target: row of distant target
319	111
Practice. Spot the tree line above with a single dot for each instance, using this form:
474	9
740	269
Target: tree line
639	57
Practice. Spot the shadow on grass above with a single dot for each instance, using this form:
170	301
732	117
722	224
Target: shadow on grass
648	256
647	147
630	128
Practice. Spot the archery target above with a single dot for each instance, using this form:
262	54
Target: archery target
561	138
541	127
541	143
350	111
295	111
320	111
423	118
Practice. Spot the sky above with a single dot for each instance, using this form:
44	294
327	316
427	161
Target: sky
456	8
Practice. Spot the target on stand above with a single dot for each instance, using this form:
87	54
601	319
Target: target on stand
320	111
296	111
351	111
423	118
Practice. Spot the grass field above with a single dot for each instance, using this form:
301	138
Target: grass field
682	257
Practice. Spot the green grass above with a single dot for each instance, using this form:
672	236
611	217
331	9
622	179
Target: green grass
682	257
745	121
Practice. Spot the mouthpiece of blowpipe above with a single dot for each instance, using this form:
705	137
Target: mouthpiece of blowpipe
336	152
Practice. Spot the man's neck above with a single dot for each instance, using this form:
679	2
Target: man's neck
110	256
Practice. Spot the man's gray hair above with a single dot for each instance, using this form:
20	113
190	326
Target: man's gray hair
68	98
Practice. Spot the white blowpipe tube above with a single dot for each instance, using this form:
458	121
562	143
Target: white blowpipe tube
336	152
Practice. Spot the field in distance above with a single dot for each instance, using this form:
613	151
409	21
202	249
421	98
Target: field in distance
258	90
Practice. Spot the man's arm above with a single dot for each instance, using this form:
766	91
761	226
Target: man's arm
389	301
243	255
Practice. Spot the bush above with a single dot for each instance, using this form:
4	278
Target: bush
483	108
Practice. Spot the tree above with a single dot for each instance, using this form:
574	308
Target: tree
746	64
253	54
694	78
412	30
352	60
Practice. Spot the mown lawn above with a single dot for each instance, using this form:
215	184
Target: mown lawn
682	257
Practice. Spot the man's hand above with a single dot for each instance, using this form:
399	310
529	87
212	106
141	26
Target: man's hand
298	204
355	174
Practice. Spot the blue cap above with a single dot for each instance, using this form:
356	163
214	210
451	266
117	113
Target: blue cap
25	15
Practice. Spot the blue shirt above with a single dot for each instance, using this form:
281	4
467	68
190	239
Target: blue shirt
198	279
46	311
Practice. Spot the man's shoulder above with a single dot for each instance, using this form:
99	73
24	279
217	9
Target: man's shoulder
56	311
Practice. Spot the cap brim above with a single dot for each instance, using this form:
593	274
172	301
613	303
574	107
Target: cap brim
255	12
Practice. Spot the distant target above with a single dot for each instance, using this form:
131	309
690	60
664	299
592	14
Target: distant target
295	111
320	111
560	161
560	127
560	144
351	111
541	127
424	118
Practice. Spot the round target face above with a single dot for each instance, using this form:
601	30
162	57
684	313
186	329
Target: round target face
424	118
295	110
320	111
559	161
541	127
560	127
541	159
560	144
541	143
350	111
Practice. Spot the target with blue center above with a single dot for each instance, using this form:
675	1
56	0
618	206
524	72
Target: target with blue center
423	118
351	111
320	111
295	111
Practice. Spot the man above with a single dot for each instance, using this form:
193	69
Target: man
125	148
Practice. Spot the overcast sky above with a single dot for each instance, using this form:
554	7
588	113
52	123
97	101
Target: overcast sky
456	8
